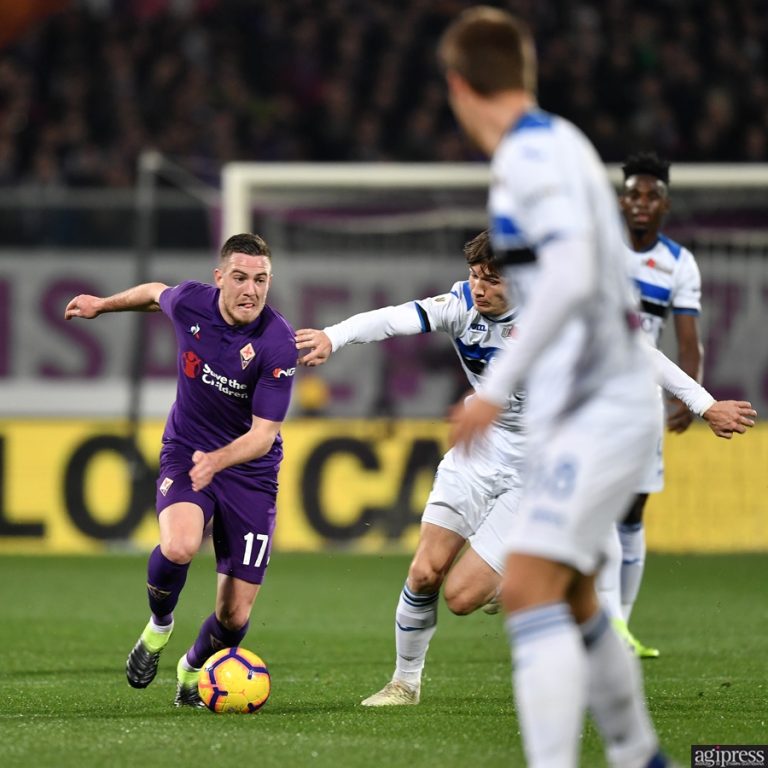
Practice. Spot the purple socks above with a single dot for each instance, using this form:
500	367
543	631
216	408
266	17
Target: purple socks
165	580
213	637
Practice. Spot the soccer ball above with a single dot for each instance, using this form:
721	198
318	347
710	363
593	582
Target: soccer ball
234	680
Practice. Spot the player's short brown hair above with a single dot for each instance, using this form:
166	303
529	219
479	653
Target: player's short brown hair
478	250
247	243
491	49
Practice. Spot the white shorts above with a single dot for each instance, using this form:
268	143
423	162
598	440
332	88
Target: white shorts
652	479
478	498
582	472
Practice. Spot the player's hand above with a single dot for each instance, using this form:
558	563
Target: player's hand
728	416
679	418
204	469
470	419
318	344
84	306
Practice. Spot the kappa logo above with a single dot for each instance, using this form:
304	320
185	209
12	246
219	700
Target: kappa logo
247	354
195	331
158	594
166	485
280	372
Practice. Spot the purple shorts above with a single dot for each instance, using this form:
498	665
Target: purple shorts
242	508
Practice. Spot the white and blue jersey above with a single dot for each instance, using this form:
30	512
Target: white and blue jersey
548	184
668	280
477	338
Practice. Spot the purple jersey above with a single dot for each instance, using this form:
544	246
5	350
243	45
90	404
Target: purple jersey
227	373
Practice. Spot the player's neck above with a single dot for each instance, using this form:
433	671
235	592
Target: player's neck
504	111
643	240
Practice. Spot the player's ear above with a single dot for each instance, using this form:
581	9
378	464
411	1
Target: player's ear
218	276
457	85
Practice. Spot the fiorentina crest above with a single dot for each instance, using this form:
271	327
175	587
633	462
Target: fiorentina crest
246	355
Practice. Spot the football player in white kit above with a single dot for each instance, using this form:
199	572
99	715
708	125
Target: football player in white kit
591	396
474	498
668	281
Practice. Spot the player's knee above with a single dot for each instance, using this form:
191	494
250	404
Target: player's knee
179	550
233	617
423	577
461	601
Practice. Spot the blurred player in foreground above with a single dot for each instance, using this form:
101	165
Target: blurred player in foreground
221	447
668	279
474	498
591	396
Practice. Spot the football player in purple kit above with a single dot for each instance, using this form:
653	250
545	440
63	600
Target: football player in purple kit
221	447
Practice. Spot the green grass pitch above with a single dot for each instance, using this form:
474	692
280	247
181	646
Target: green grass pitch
324	625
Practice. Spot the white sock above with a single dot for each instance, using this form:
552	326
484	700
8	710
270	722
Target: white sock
609	579
186	666
161	628
632	564
550	683
615	696
415	623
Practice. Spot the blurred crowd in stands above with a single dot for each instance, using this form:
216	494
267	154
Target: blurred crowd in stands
86	84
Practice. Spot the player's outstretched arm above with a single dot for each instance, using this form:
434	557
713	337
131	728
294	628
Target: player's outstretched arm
723	416
317	344
728	416
142	298
375	325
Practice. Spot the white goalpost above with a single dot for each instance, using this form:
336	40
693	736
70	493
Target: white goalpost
242	181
